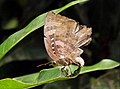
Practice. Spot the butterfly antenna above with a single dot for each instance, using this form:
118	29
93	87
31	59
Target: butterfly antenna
48	63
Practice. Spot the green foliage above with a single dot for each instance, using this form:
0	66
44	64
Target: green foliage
52	75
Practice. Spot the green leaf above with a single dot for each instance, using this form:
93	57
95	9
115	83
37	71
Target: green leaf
38	22
52	75
103	65
12	84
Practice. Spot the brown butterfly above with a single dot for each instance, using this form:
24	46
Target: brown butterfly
63	39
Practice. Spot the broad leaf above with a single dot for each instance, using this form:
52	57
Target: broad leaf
52	75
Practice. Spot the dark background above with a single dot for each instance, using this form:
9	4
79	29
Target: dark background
102	15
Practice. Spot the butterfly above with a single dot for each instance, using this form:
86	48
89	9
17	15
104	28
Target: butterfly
64	38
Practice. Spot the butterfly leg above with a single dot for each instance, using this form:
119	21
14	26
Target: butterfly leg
77	71
78	63
68	72
65	70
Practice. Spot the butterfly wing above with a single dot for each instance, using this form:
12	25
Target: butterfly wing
64	36
72	36
49	30
55	28
82	34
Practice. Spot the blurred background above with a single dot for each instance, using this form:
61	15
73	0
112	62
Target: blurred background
102	15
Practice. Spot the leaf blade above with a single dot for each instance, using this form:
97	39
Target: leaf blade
54	74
